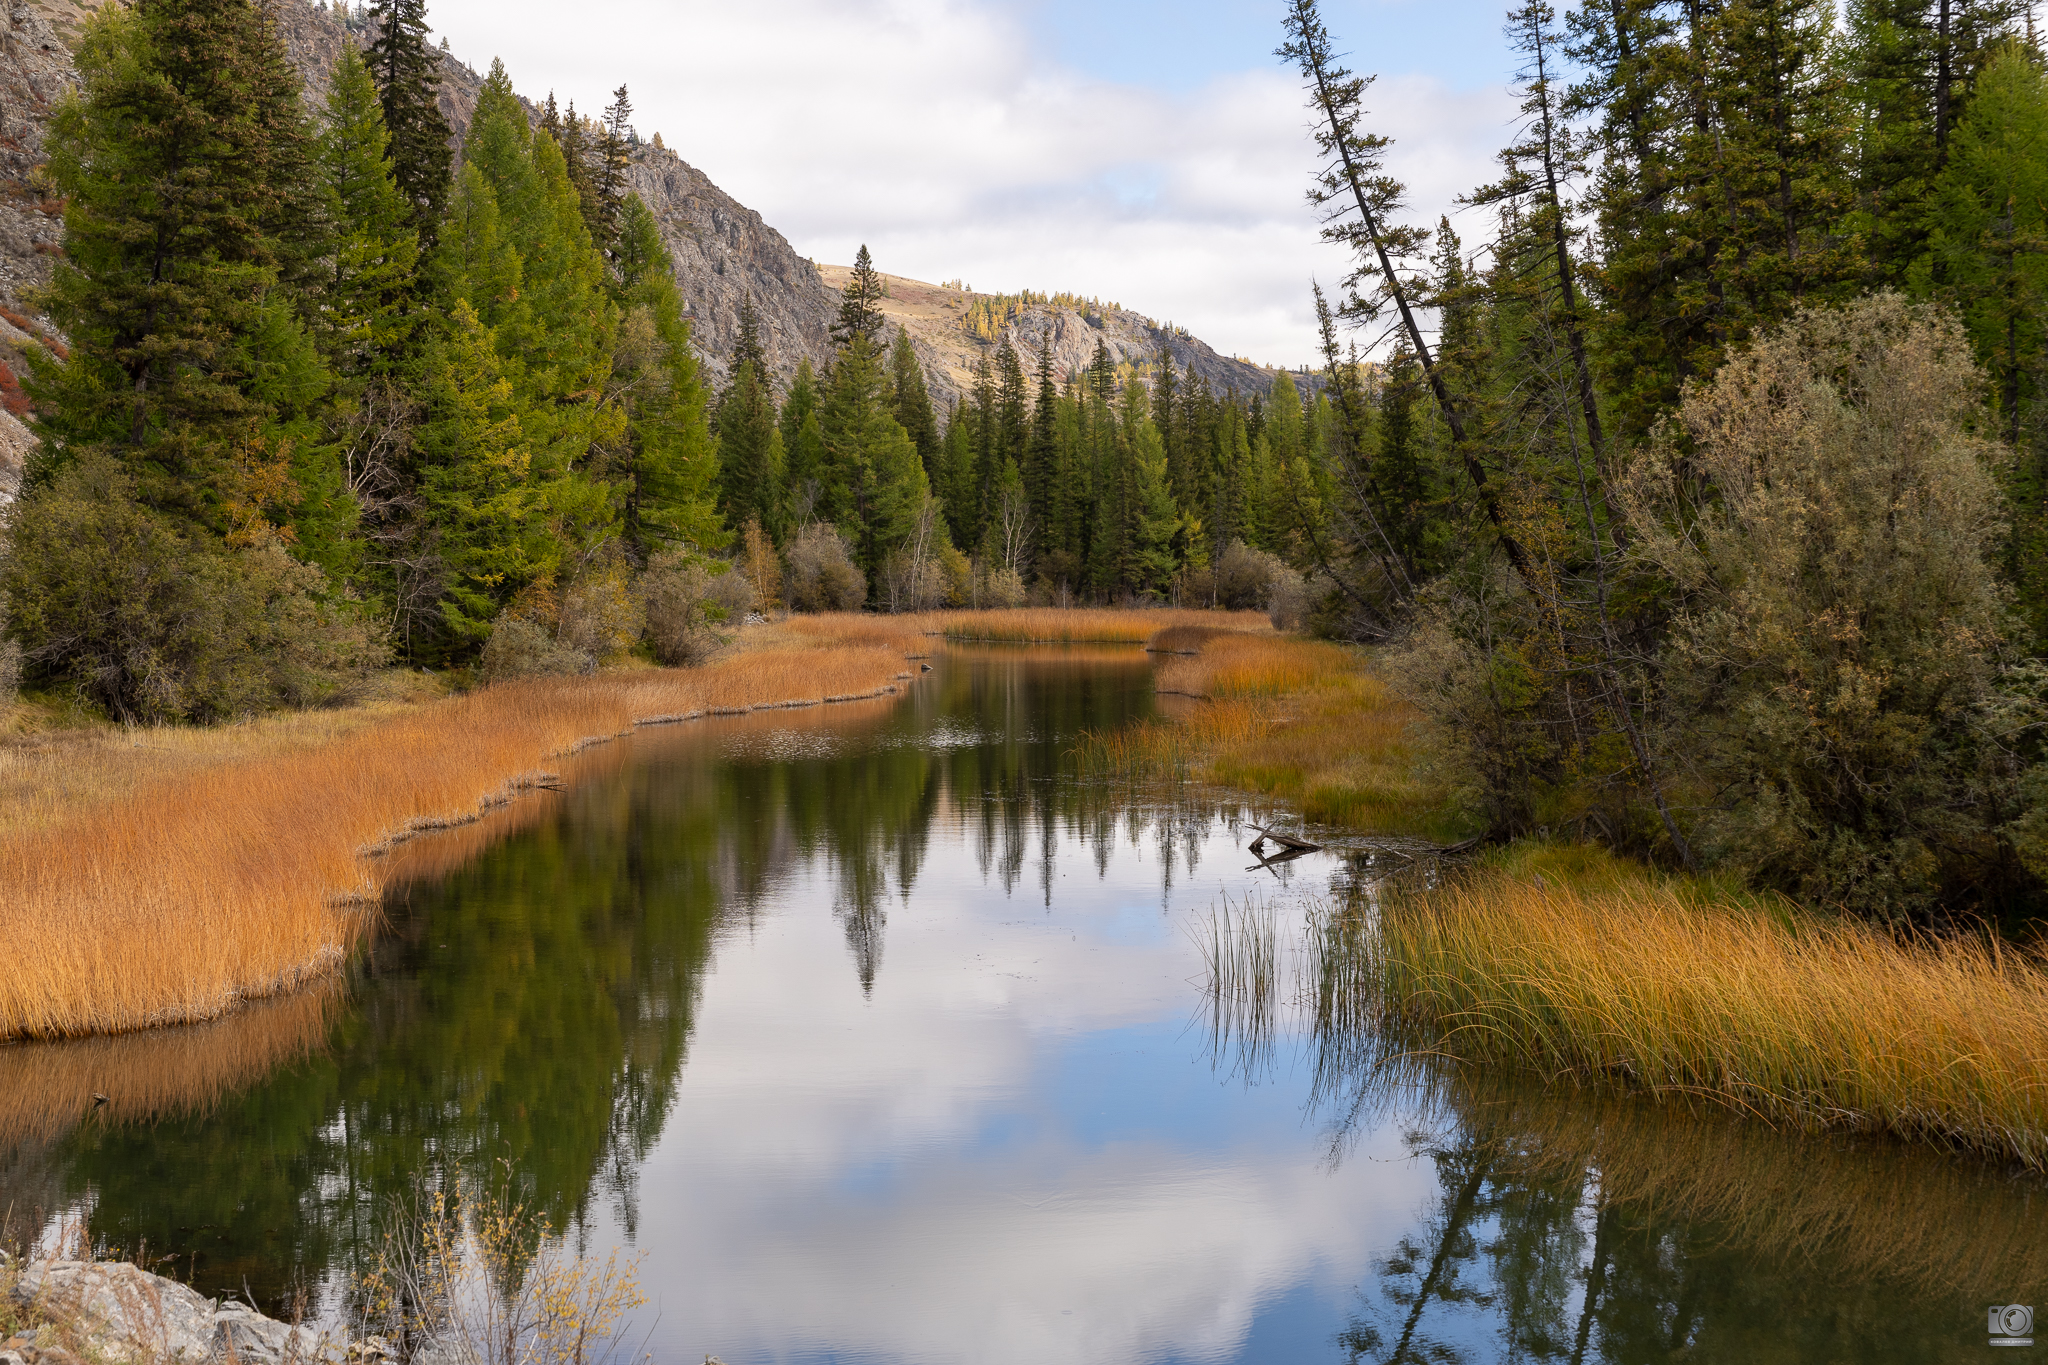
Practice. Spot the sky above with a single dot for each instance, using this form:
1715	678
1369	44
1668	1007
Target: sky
1150	152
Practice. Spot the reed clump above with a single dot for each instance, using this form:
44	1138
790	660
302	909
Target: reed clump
1301	721
200	891
1659	987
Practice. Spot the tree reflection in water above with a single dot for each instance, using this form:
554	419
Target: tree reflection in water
529	1005
1575	1225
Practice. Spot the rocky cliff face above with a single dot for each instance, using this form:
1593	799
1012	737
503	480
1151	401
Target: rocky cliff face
934	315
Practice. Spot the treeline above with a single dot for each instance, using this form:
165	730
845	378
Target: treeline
329	396
1702	505
1103	485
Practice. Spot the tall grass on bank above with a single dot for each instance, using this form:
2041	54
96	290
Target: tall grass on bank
242	881
1074	626
1650	985
1300	721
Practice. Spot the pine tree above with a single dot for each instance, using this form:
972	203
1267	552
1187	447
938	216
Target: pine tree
749	449
860	311
957	486
366	305
614	160
1988	249
673	465
1041	459
173	301
803	443
506	519
912	403
875	483
408	76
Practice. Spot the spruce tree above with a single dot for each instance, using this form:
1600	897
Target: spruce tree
408	74
367	310
183	162
912	402
1041	458
673	467
749	449
873	479
803	443
860	310
614	160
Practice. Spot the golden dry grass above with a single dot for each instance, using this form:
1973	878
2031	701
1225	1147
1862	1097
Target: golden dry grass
193	892
1086	625
1300	721
1651	984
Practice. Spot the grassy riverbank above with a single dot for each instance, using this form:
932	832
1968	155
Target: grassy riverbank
164	876
1304	723
1571	963
152	897
1579	967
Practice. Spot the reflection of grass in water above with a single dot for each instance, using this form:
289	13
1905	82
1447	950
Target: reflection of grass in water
1865	1202
1241	952
182	900
47	1088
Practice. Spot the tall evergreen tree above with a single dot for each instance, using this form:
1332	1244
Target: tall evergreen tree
673	464
860	307
366	308
614	160
875	483
408	73
184	164
803	443
912	403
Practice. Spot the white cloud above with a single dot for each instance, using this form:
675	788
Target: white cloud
943	135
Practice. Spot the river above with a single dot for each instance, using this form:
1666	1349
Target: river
881	1034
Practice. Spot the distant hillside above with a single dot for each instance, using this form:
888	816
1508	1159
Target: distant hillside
951	329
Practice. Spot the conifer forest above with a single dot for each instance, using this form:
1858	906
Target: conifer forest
1693	481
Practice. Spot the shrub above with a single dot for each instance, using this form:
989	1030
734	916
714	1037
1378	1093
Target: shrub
1829	526
911	583
10	672
522	646
153	624
687	601
822	574
1245	578
1001	587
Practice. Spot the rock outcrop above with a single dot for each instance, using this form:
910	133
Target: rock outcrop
117	1311
934	314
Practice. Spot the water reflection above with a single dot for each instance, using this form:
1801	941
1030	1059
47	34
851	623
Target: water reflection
885	1038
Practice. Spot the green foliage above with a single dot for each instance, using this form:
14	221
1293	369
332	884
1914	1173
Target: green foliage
183	160
408	73
155	621
366	311
1830	529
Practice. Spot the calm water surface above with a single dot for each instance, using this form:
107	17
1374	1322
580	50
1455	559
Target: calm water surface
884	1038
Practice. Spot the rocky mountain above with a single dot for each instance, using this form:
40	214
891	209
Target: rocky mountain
938	318
724	252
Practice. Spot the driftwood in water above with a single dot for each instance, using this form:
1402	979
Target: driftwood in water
1293	845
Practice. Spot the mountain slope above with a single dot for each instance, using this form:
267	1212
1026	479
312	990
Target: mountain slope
936	316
